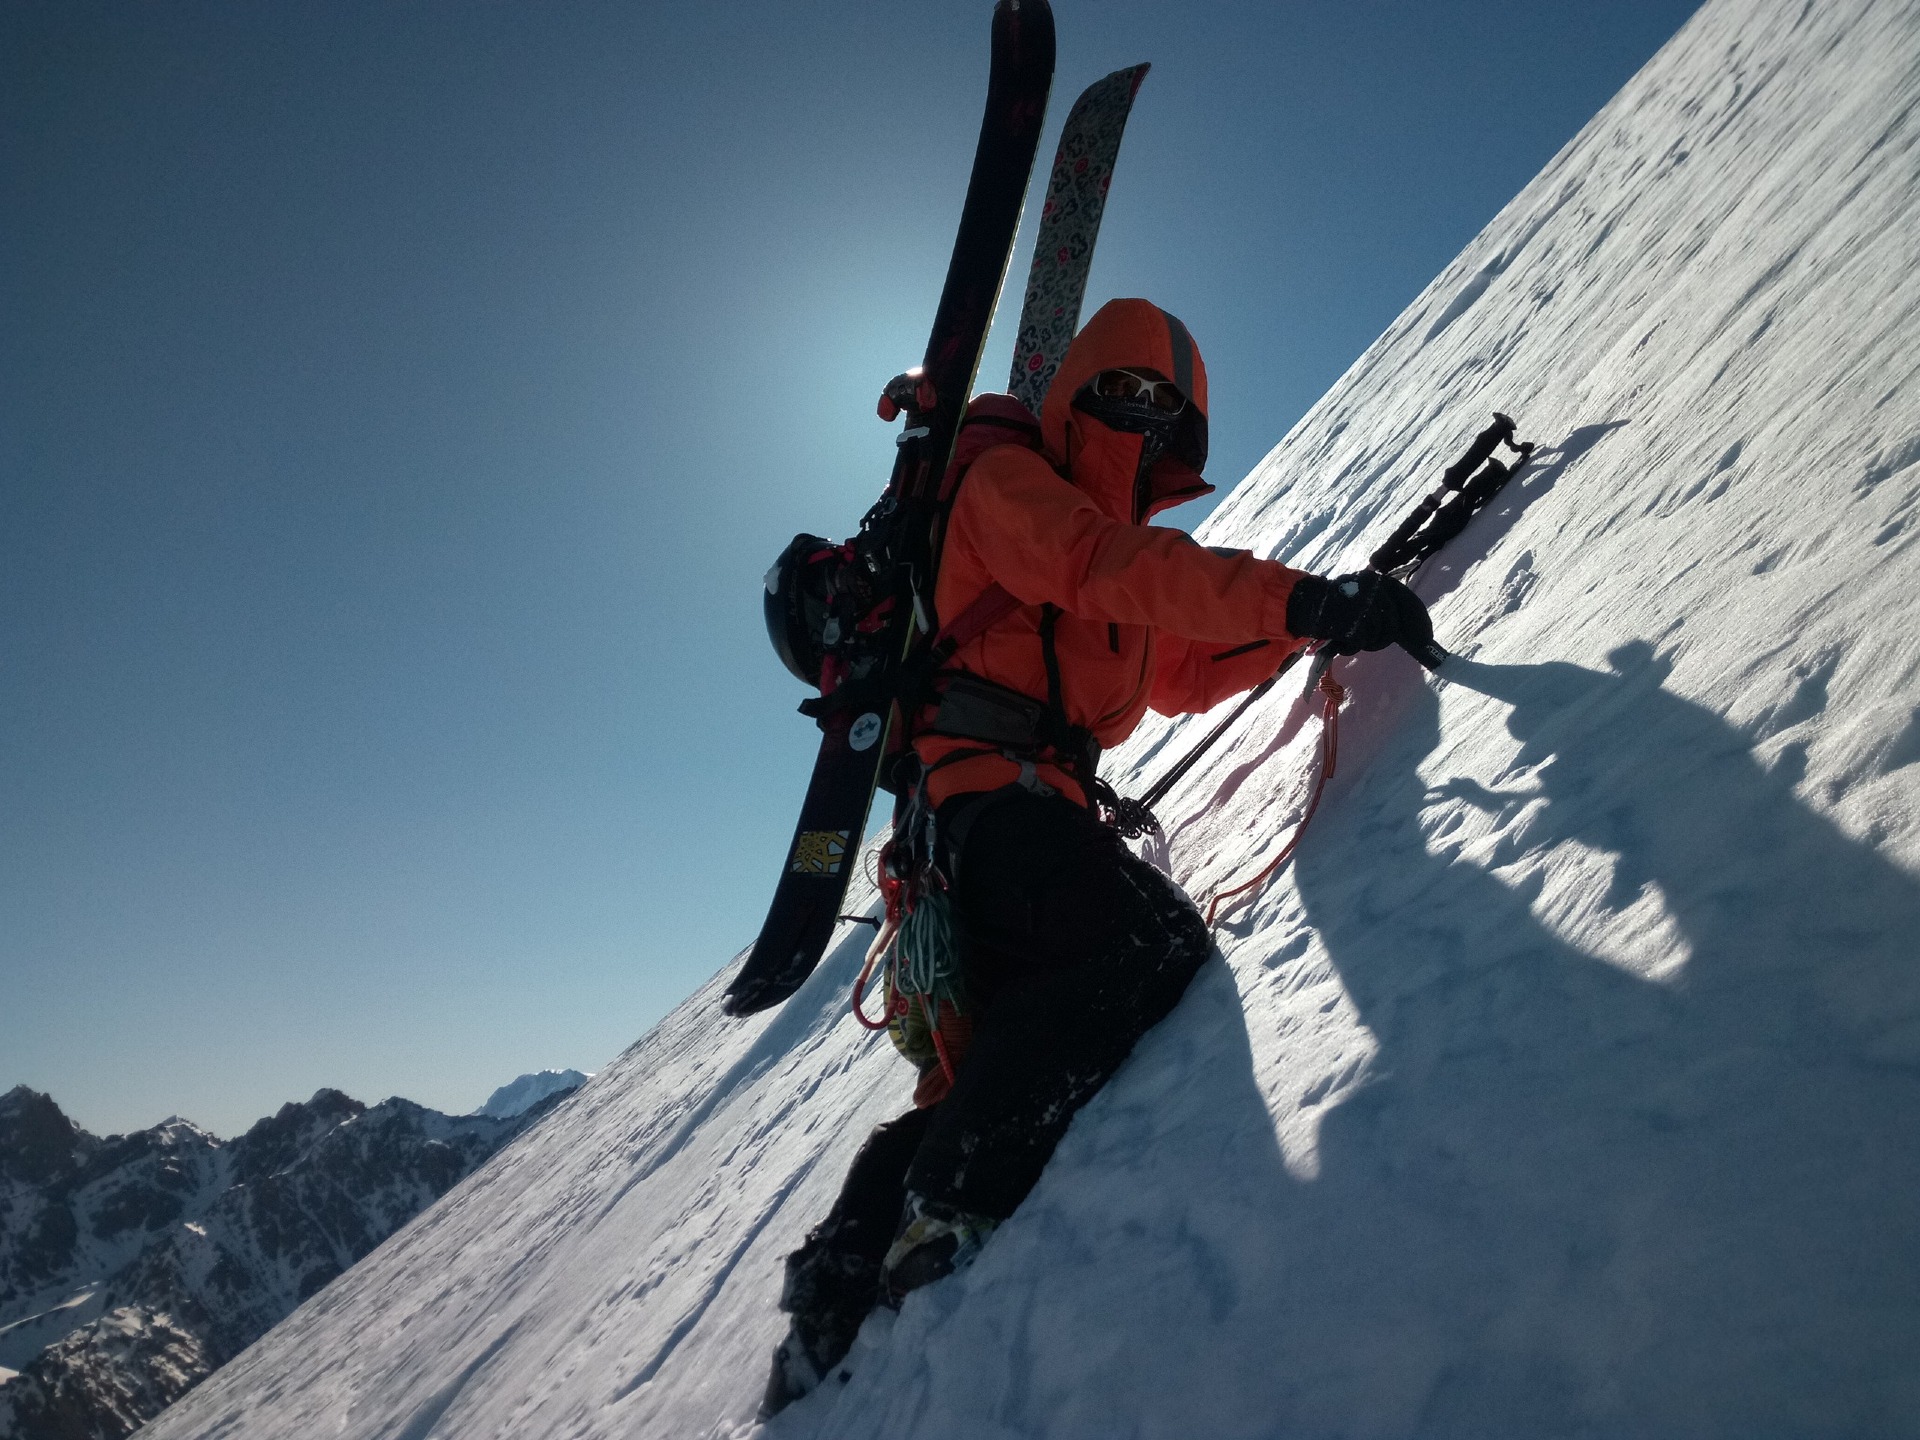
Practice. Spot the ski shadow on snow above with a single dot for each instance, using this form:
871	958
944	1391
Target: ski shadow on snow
1574	1197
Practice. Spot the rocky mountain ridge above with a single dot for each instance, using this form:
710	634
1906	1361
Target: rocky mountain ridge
133	1266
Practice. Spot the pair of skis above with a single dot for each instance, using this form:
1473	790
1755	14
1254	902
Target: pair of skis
896	536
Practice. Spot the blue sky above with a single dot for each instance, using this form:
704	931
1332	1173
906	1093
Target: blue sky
399	404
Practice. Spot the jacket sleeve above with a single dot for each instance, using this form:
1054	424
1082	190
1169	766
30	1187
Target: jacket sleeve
1191	677
1047	543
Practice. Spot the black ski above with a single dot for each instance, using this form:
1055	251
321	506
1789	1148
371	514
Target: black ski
895	540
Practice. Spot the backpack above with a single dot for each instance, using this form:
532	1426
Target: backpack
827	603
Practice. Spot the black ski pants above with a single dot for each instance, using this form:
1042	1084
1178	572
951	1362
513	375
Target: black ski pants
1072	948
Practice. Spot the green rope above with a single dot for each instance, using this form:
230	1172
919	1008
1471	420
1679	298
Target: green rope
926	956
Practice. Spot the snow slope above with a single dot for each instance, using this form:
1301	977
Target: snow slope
1565	1086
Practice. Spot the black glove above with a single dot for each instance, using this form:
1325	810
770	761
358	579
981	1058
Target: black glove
1363	611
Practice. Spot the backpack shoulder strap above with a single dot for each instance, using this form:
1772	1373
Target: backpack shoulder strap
989	420
989	608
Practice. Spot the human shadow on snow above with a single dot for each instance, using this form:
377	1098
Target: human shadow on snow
1610	1204
1560	1199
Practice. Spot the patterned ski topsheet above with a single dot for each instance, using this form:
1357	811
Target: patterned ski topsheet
1069	225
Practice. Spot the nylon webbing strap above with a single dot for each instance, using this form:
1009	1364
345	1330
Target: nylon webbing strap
1050	654
989	608
1070	742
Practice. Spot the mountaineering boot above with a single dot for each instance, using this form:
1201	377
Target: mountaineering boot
833	1279
828	1293
814	1345
801	1361
934	1241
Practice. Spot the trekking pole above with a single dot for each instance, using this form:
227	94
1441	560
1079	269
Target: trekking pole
1473	480
1470	482
1186	762
1134	818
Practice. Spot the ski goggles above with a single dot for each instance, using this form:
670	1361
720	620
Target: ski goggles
1162	395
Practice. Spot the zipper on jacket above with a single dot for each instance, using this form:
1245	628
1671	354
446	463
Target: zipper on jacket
1245	649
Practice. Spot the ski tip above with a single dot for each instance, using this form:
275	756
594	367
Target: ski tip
1028	25
1101	90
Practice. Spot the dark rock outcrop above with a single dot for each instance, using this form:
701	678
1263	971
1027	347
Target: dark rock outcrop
132	1267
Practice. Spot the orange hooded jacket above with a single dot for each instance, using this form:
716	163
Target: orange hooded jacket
1150	618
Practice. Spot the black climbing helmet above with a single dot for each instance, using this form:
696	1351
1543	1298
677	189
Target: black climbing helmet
798	603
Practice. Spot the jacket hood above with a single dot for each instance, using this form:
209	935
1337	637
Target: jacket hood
1134	334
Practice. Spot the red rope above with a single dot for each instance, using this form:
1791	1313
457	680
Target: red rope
866	973
1331	694
932	1011
893	893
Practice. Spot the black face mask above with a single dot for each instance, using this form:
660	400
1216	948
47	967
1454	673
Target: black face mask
1131	417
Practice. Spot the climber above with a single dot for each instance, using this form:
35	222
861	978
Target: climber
1067	947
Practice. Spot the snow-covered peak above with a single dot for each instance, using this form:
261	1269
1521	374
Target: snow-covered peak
520	1095
178	1130
1565	1084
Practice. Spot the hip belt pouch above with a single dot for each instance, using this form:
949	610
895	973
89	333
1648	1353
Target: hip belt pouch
976	709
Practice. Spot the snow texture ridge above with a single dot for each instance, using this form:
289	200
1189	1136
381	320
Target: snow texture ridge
1566	1083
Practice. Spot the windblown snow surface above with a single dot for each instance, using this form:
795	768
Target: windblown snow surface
1569	1082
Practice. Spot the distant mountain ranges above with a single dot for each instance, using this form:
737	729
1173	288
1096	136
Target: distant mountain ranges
132	1267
